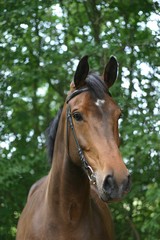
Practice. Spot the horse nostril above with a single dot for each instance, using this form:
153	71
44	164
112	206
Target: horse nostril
108	184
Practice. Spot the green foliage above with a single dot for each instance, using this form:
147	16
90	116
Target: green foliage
40	42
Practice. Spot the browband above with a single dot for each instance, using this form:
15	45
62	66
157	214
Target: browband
75	93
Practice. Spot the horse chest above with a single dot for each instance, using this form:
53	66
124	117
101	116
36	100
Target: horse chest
94	226
87	231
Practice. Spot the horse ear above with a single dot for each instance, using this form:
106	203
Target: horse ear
110	72
81	72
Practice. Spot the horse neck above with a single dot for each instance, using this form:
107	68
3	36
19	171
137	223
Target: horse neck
68	186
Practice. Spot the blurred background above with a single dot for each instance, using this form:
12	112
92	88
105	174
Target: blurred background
40	45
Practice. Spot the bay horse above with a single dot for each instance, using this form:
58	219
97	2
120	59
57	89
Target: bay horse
87	170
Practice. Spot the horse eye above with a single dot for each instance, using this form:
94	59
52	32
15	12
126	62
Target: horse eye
77	116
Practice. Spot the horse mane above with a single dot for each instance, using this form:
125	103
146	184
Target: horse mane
51	132
97	88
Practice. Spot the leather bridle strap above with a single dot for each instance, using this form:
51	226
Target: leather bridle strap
87	168
75	93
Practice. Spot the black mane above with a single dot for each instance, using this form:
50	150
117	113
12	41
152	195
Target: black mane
97	88
51	134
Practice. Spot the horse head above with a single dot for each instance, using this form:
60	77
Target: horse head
94	141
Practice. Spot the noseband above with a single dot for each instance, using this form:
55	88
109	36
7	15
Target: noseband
87	168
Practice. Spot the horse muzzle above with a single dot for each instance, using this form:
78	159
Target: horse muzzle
110	190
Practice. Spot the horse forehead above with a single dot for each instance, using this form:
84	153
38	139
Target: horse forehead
87	102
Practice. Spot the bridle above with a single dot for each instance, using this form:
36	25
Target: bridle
87	168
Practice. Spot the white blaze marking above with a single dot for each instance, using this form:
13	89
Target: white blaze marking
99	102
